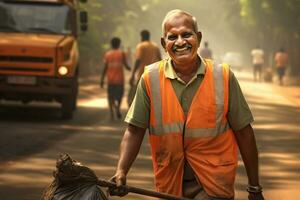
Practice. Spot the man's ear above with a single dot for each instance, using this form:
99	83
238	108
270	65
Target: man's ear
199	36
163	43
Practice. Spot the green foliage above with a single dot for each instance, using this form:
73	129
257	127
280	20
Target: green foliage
276	13
276	23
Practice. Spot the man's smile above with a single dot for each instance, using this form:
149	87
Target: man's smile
182	49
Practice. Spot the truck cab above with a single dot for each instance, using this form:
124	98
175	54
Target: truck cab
39	52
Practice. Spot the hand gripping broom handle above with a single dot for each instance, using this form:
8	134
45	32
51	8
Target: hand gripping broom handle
135	190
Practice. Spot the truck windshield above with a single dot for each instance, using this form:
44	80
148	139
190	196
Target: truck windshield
35	18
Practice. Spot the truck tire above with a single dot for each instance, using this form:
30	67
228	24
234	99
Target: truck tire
67	106
69	102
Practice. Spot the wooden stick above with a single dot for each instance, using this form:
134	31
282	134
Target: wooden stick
141	191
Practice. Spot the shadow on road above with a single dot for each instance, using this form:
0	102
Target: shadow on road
32	129
277	131
89	138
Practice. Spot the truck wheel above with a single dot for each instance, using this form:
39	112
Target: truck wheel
67	106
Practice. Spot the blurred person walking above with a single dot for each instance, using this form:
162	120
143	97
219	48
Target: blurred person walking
147	52
258	62
206	51
281	59
197	119
114	61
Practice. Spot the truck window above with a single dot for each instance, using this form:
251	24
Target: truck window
35	18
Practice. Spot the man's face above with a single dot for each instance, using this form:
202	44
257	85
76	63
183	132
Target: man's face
180	39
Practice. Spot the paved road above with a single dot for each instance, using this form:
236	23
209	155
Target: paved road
33	136
276	111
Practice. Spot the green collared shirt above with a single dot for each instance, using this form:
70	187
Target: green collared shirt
239	114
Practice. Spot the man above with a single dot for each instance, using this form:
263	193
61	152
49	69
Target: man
281	59
147	52
196	116
114	61
206	52
258	62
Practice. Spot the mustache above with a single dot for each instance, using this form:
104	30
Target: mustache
175	47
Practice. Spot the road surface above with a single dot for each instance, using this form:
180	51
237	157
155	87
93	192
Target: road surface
32	137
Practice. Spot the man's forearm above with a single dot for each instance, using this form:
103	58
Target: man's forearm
130	146
136	66
247	145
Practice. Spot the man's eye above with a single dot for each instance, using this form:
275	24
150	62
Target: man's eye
171	37
186	35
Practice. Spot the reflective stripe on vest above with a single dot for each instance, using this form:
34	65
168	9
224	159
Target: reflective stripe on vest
153	71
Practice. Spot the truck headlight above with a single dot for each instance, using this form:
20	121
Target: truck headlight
63	70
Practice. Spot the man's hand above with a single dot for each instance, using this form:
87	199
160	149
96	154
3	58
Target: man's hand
256	196
120	190
129	148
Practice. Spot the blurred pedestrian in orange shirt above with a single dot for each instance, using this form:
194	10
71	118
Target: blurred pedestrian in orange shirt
114	61
147	52
281	59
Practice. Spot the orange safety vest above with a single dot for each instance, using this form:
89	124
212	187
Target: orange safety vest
203	138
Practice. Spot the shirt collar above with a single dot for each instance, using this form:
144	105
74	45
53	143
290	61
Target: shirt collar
171	74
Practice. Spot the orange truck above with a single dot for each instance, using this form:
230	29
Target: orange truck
39	51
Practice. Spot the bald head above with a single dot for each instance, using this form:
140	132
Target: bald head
178	13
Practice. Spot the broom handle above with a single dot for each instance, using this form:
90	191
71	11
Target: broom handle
141	191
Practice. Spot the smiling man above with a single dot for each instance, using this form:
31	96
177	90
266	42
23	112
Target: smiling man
197	119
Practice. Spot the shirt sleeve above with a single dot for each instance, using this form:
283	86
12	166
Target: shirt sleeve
139	111
239	113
